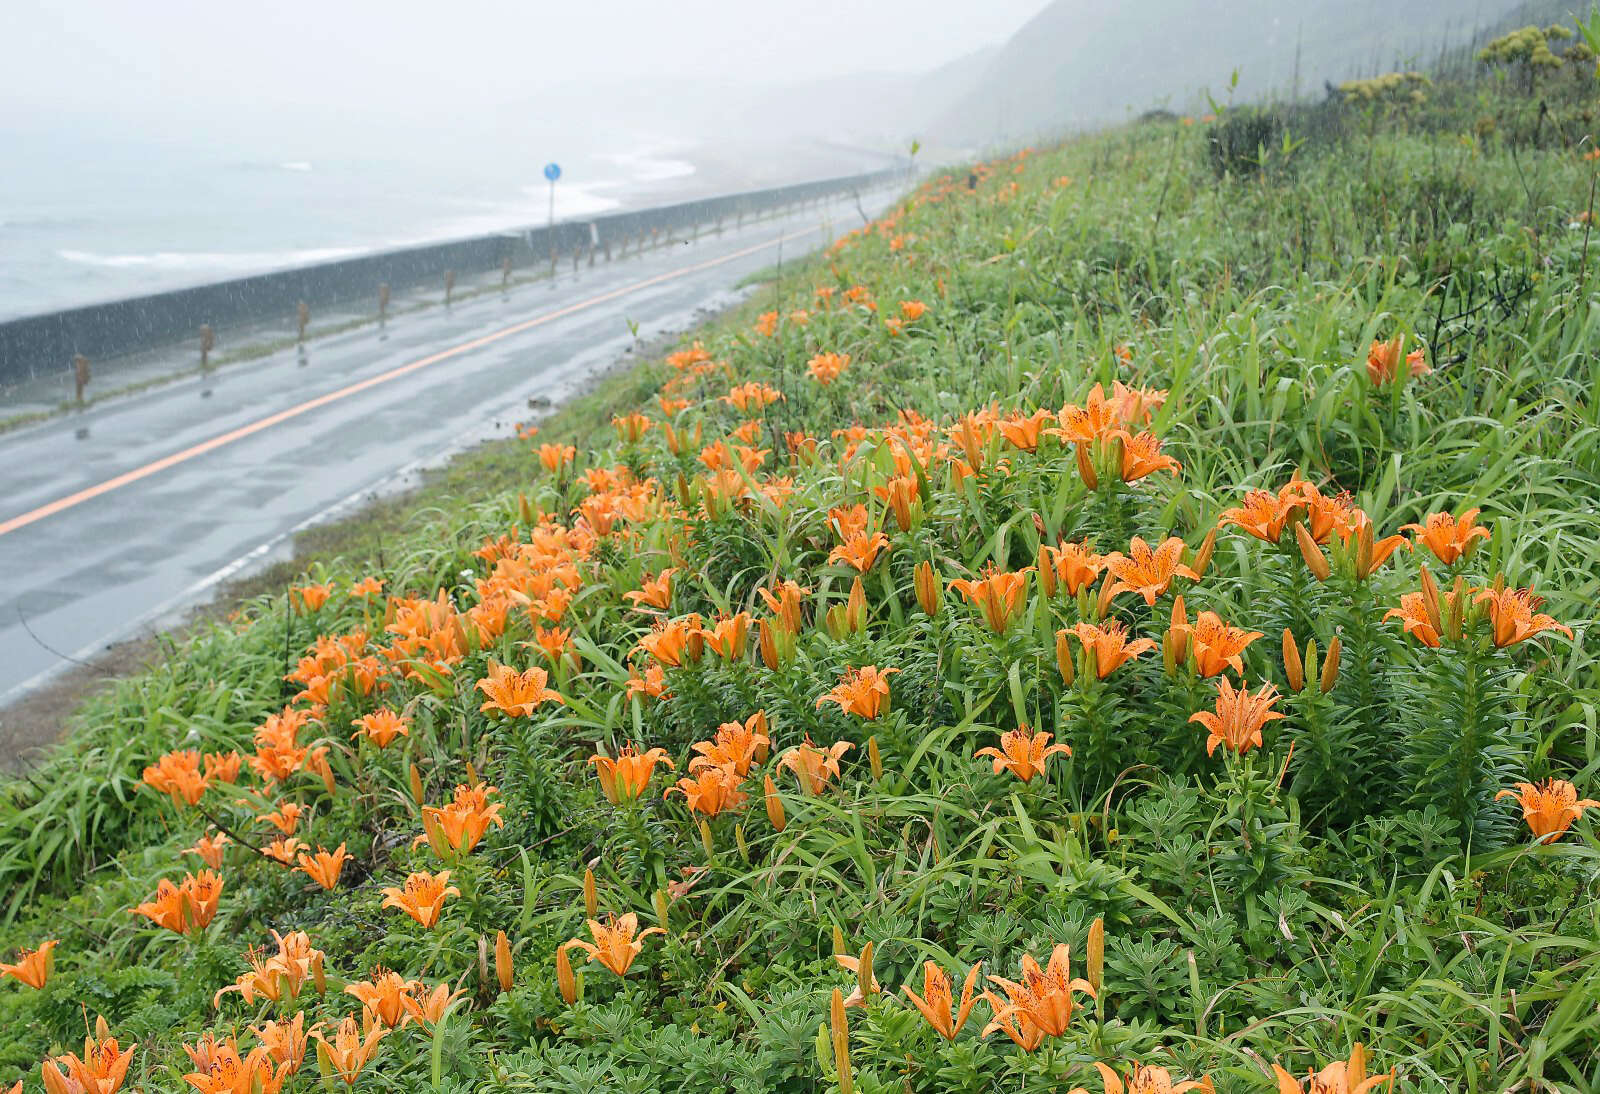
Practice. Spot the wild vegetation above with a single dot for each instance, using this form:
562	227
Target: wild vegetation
1118	621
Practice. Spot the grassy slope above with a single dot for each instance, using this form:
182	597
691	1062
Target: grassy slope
1339	908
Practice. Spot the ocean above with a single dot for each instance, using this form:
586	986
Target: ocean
83	221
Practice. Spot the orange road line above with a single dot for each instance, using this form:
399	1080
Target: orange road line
151	468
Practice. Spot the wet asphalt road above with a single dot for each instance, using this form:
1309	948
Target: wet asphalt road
134	555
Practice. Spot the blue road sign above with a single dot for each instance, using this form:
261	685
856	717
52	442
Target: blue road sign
552	171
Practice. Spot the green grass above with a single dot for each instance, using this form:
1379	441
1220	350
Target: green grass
1279	906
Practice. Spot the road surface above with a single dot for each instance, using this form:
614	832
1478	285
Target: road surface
118	517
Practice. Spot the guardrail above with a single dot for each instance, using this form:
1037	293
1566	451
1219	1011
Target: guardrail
39	345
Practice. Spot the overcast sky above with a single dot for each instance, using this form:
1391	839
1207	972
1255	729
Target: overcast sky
153	64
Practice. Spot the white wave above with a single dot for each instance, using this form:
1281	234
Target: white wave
651	166
295	165
209	260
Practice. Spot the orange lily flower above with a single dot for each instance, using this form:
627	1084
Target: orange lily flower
728	636
1513	613
367	587
825	368
1099	419
814	767
1142	456
860	551
286	818
1214	645
1022	430
1148	571
902	494
652	684
936	1002
913	310
863	692
516	693
556	456
222	767
849	521
223	1071
1449	538
381	727
751	396
674	642
325	866
654	592
384	997
285	849
1549	807
631	428
1043	996
1022	753
1383	361
189	905
624	778
1146	1079
101	1069
1238	718
784	602
997	594
736	746
423	896
284	1041
1074	565
1108	646
767	324
615	944
312	597
1339	1077
1263	515
710	791
461	824
350	1050
33	967
209	849
177	774
281	976
427	1008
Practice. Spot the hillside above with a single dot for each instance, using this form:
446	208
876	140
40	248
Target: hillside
1051	76
1121	620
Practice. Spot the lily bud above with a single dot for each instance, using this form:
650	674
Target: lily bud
738	839
767	643
927	585
566	983
1202	554
1315	561
483	961
662	907
1430	599
1047	571
1330	667
1096	953
1291	661
1086	468
1064	658
1102	604
416	784
591	899
774	805
502	960
838	941
1456	618
1309	665
841	1042
874	757
525	509
866	983
705	838
319	975
855	609
1175	643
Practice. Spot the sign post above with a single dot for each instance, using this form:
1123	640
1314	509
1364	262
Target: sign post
552	171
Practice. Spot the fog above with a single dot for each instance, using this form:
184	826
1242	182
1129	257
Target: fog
364	73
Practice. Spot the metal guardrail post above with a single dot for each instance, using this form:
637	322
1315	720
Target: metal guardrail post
80	376
208	342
